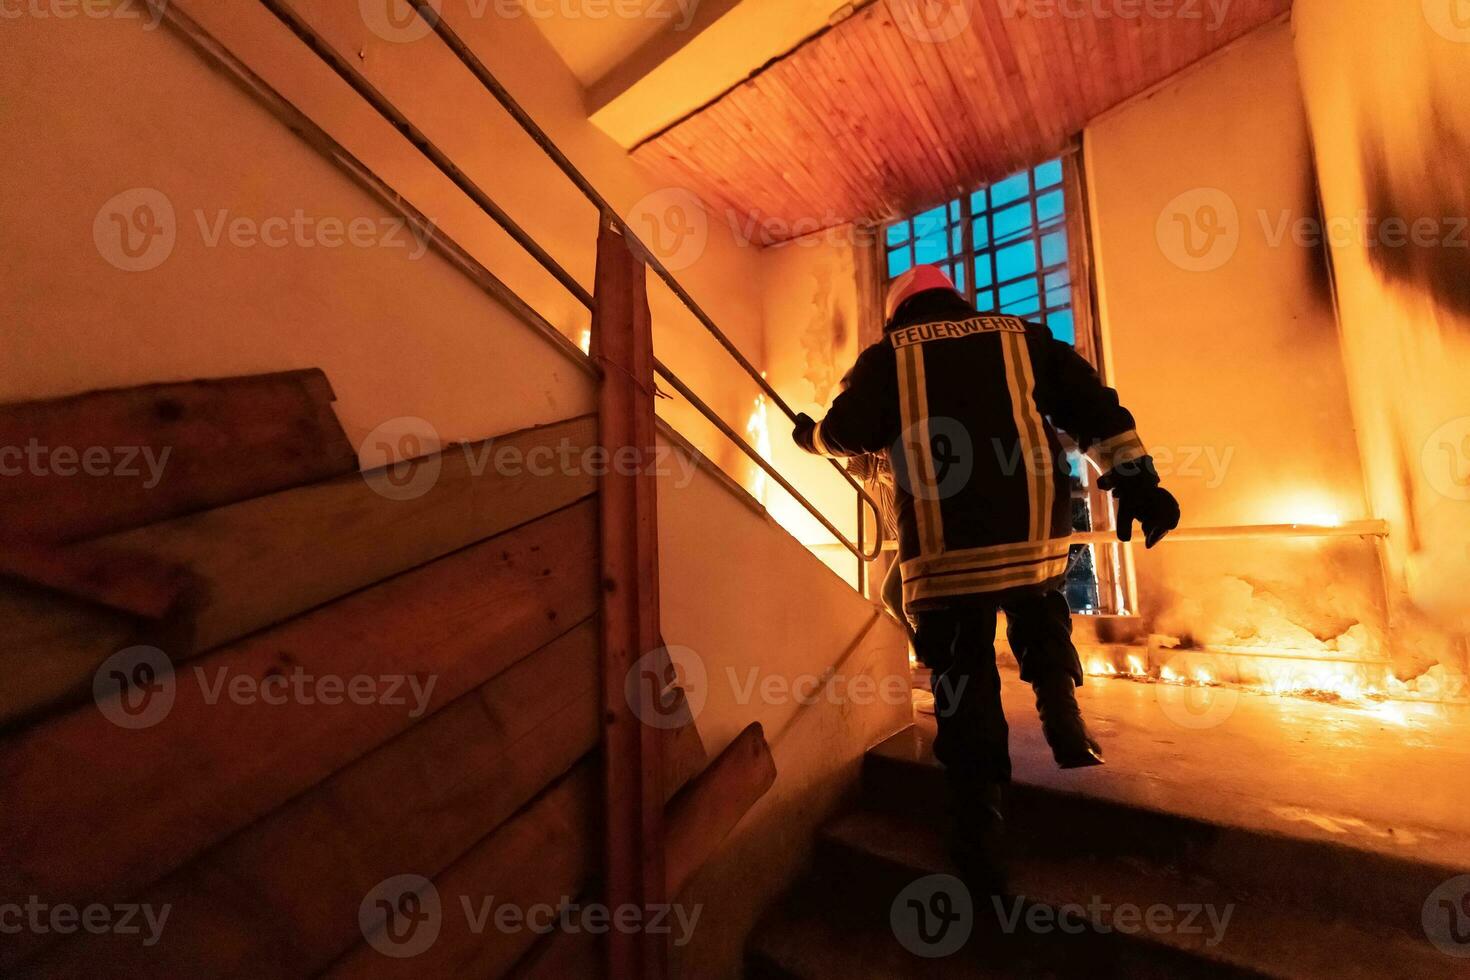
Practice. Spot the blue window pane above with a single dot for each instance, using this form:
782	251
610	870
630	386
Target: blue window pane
978	201
931	248
982	271
985	301
1058	297
954	211
1012	222
1029	307
1054	248
929	222
1062	326
1058	279
956	240
1011	189
1049	174
980	231
958	274
1017	291
898	234
899	262
1049	206
1015	260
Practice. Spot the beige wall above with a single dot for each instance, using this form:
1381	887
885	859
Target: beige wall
762	619
810	304
1225	346
95	107
1385	90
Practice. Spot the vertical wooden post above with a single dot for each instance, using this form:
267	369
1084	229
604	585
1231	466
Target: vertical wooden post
622	344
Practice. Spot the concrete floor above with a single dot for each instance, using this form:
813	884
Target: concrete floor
1391	777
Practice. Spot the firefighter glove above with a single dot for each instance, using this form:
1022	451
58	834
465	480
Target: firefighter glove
805	433
1141	499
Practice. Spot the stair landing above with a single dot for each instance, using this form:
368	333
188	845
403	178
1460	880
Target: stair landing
1322	831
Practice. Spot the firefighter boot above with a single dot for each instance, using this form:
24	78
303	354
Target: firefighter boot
977	836
1061	722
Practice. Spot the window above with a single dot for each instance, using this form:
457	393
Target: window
1005	247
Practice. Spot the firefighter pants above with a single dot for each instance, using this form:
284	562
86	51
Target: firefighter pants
958	645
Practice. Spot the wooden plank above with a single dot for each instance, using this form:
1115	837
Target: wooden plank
699	820
281	898
259	562
215	763
701	817
43	633
538	859
106	460
622	339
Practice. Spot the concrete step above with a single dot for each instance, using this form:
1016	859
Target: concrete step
1076	916
1270	864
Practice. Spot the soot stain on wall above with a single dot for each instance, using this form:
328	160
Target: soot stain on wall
1439	264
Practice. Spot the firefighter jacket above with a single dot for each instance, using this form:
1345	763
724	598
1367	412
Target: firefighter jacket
967	407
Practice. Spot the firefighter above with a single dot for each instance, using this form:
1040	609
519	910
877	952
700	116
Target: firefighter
966	406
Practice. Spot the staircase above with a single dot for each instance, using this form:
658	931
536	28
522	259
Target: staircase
1297	906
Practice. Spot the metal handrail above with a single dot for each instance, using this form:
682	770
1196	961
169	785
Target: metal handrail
435	20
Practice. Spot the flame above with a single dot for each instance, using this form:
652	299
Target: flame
585	341
758	429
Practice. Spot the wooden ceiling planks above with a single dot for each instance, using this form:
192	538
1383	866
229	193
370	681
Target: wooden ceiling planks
866	121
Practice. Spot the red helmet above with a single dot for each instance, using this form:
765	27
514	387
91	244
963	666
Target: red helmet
919	279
